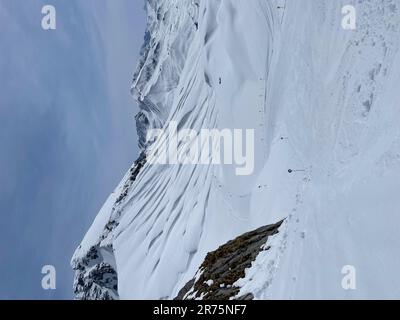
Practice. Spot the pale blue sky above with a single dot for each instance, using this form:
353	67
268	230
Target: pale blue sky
67	131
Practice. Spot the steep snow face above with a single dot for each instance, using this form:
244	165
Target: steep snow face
322	101
170	28
337	111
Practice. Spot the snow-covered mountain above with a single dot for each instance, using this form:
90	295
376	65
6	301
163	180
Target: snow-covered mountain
324	105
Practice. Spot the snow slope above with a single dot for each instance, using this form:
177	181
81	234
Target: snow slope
321	99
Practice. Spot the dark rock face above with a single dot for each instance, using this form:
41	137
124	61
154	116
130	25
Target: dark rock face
95	279
134	171
223	267
95	272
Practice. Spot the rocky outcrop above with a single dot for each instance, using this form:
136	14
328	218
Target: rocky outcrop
222	268
95	279
96	275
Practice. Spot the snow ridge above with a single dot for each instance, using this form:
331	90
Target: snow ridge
170	28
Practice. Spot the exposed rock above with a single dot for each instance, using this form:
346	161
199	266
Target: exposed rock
95	279
95	270
223	267
134	171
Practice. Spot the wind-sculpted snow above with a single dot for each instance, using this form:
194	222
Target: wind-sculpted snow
323	103
170	28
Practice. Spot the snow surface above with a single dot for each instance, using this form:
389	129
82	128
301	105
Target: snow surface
321	99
